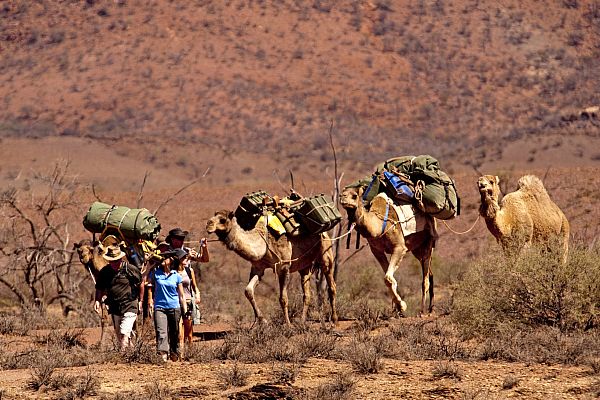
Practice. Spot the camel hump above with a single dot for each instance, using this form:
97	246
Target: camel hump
532	183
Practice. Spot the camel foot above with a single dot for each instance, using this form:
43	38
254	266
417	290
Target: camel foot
400	309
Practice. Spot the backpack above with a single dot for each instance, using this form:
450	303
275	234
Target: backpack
134	276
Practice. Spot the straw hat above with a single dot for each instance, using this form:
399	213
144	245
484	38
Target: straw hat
113	253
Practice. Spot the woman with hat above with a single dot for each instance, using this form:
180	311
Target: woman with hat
120	282
176	238
166	294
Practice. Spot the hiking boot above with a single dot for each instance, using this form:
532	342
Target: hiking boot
164	357
174	357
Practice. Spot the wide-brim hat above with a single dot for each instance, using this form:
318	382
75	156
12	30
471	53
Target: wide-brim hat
177	233
180	254
113	253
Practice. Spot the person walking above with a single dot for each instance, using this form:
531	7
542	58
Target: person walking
176	239
166	296
119	284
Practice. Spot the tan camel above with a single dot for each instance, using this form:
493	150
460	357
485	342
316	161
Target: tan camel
90	256
283	255
524	217
391	240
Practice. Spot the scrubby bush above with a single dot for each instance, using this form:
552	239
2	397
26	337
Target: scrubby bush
501	294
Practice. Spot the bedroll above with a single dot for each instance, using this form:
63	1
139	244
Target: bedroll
131	224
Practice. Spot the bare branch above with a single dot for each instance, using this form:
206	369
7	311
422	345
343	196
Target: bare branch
164	203
141	192
95	194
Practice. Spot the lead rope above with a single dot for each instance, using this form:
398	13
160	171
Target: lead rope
467	231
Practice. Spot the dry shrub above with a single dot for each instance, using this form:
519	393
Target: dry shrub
262	343
541	345
534	290
235	376
340	388
509	382
316	344
364	353
446	369
200	352
157	391
11	324
286	373
65	340
42	371
143	348
426	340
367	318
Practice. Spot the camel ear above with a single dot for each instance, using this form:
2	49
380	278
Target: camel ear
497	180
230	215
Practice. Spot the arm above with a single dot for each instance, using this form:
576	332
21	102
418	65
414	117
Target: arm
98	301
195	286
204	255
181	298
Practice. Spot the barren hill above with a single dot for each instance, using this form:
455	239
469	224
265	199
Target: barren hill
248	91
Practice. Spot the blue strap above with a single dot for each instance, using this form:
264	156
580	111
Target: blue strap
364	197
385	219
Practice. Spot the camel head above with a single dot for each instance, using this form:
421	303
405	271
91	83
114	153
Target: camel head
489	186
85	251
350	197
220	223
90	255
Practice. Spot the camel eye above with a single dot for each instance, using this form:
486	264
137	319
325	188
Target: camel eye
222	220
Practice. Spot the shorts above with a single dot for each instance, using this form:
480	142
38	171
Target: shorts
124	323
188	315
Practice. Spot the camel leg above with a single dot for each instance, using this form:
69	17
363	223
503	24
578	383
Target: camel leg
255	276
423	254
284	276
331	291
305	277
390	268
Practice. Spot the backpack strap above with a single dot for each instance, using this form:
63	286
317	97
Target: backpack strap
188	271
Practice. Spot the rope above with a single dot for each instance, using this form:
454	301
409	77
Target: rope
467	231
345	234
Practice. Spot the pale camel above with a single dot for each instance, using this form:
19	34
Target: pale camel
389	239
524	217
283	254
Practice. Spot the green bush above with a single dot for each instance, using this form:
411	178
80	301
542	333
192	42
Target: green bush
500	294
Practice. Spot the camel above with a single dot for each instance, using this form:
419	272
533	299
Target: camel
389	239
523	218
90	256
283	254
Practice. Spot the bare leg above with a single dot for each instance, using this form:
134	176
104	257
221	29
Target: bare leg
284	276
254	279
305	277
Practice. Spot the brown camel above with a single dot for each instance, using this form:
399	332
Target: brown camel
391	240
524	217
283	254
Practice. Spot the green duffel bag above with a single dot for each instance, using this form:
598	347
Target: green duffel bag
130	224
435	191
